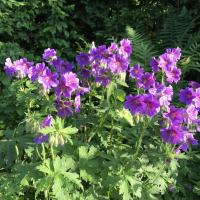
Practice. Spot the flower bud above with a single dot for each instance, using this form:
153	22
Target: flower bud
51	140
56	141
61	140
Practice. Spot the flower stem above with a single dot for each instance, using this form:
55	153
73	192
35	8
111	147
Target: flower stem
43	152
52	153
139	143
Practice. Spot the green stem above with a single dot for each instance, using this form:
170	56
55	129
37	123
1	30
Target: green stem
100	125
43	152
52	153
38	153
139	143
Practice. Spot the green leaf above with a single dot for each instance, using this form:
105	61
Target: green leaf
120	94
69	131
124	190
74	178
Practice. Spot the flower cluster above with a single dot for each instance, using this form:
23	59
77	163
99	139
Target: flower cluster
101	63
154	99
53	73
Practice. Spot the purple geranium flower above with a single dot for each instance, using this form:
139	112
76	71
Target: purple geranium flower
197	98
173	134
154	64
48	79
188	139
134	103
148	80
85	73
191	114
113	48
175	115
118	64
47	121
173	75
49	54
68	84
36	71
64	108
82	59
41	138
125	47
62	66
22	67
186	95
9	68
77	103
194	84
136	72
174	53
165	62
151	105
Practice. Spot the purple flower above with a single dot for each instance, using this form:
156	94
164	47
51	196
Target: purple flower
134	103
187	140
98	53
166	97
22	67
173	134
41	138
174	53
68	84
136	72
103	80
166	63
85	73
9	68
118	64
64	108
186	95
77	103
48	79
175	115
151	105
82	90
62	66
197	98
125	47
173	75
36	71
154	64
49	54
191	114
194	84
148	80
82	59
113	48
47	121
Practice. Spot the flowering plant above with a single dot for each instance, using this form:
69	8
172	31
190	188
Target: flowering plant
117	144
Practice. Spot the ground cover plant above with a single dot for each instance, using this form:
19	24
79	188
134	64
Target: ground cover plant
100	127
